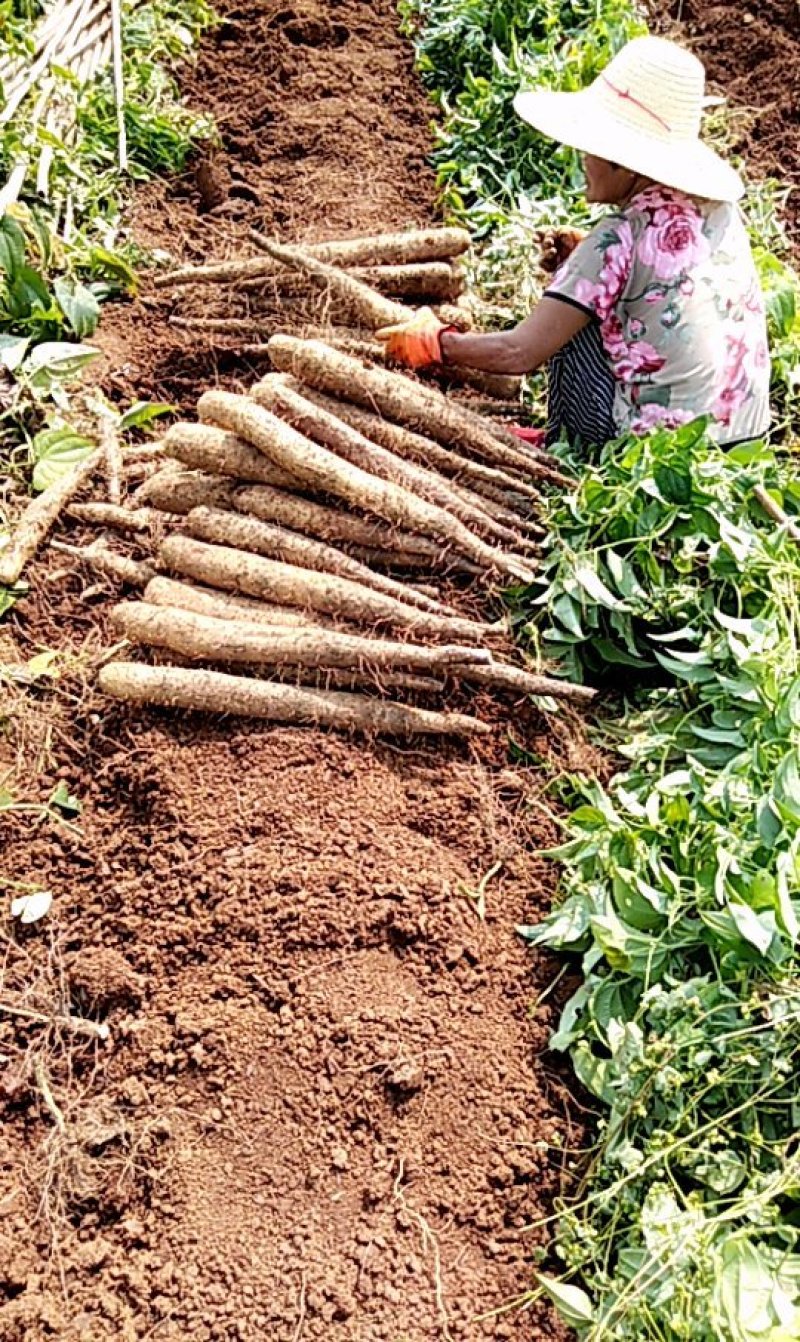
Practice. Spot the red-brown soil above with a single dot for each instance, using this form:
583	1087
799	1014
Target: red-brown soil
325	1109
751	56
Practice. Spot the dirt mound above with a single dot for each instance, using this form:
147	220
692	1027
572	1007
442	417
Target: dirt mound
322	1100
751	55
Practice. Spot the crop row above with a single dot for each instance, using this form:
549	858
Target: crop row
672	568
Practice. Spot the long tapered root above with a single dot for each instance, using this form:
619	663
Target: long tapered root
288	585
217	692
320	468
206	638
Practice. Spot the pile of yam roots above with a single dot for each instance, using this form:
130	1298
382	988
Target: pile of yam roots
311	523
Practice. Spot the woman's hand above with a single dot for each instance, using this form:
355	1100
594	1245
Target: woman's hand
555	245
415	343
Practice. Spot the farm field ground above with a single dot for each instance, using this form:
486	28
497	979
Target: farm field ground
324	1110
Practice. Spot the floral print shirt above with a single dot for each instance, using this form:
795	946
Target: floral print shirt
672	282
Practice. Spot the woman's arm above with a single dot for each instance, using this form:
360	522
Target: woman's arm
522	349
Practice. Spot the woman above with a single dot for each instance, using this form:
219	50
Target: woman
656	316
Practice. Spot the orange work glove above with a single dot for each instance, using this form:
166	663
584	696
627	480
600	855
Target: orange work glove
415	343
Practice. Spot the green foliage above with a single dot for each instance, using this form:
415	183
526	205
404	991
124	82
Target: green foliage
781	285
477	55
660	541
84	175
681	877
161	131
681	889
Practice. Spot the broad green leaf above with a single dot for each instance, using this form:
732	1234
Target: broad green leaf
786	788
12	246
43	663
10	595
65	801
30	908
756	928
593	1072
562	927
57	361
674	485
79	305
572	1303
693	667
56	452
594	586
144	412
12	351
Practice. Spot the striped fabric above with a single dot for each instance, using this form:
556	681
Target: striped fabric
581	392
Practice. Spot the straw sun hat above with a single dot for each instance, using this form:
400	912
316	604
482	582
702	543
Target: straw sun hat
643	112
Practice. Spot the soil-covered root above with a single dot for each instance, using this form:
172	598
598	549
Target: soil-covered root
206	448
357	680
112	515
395	249
40	515
387	249
281	397
428	281
277	542
204	638
106	562
447	562
416	447
501	676
407	402
163	591
330	524
320	469
178	492
369	307
216	692
288	585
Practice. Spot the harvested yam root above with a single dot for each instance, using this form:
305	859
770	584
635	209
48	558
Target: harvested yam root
501	386
205	448
205	638
280	397
177	492
415	447
398	249
369	307
273	505
287	585
412	560
319	468
108	563
356	680
399	398
161	591
112	515
216	692
429	281
39	516
387	249
248	533
504	677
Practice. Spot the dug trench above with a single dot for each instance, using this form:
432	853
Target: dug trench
323	1108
